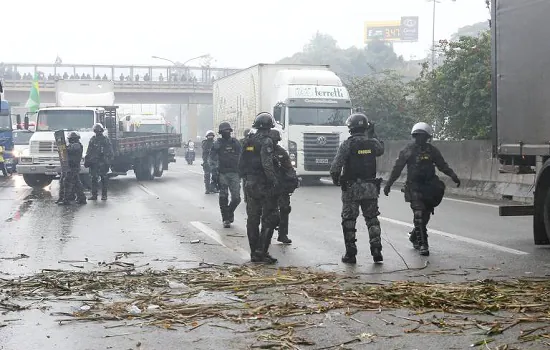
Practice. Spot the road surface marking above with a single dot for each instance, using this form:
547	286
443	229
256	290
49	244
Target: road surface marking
216	237
195	172
460	238
148	191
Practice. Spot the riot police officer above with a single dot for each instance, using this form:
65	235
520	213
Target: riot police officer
256	165
71	179
223	160
209	177
99	156
423	189
245	136
360	187
288	182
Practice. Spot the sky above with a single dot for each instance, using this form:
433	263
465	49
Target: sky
237	33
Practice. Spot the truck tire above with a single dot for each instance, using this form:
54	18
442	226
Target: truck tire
149	169
37	180
546	214
159	168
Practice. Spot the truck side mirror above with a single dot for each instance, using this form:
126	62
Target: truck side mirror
110	122
18	119
26	122
120	126
127	118
277	113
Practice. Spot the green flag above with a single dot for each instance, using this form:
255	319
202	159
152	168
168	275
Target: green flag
33	103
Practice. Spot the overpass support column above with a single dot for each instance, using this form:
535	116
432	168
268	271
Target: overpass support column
192	121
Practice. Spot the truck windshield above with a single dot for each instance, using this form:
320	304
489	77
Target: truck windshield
5	123
5	118
21	138
318	116
151	128
77	120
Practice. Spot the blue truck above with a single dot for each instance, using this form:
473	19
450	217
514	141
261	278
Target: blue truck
6	135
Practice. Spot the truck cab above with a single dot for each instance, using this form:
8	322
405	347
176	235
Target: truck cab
6	135
312	107
41	166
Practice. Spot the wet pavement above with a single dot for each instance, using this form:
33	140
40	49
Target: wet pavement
170	222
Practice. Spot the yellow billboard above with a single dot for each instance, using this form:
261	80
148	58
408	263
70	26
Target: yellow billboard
405	30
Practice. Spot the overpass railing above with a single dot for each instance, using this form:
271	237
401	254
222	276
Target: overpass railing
120	85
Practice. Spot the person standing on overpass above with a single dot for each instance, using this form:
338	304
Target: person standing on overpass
423	189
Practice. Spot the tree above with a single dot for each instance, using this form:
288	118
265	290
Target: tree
456	96
350	62
384	97
475	30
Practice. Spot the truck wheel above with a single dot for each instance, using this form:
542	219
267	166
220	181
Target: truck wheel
159	169
546	212
149	168
37	180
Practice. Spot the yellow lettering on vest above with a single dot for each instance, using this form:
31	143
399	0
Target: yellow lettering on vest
250	148
424	157
364	151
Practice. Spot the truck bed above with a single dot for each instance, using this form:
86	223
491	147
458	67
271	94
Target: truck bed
136	143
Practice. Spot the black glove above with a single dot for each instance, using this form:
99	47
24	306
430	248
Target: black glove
387	190
456	181
335	179
370	130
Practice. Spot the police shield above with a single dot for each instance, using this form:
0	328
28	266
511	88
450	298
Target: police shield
61	144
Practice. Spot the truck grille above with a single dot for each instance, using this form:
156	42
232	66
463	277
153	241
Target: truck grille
43	147
320	150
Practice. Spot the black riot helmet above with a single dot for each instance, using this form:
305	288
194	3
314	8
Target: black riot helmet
264	120
98	128
73	136
357	122
224	126
275	135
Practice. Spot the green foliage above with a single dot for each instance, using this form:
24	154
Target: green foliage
456	96
384	98
353	61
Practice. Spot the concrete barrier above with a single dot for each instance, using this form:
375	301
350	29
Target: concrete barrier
473	163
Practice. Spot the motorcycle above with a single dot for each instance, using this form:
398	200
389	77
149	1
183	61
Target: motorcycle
190	153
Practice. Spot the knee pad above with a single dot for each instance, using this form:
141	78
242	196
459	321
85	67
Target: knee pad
372	222
418	217
349	225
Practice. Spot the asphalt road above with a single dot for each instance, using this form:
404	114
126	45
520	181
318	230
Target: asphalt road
173	223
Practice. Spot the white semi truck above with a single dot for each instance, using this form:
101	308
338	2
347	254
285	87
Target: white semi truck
309	101
145	123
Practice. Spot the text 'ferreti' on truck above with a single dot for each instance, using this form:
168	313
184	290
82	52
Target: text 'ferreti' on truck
310	102
79	105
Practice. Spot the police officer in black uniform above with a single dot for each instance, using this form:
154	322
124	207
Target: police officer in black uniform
423	189
223	160
209	177
360	187
288	182
71	179
256	165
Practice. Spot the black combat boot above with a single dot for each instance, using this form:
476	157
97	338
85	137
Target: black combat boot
283	235
424	247
351	252
415	239
376	252
263	246
104	196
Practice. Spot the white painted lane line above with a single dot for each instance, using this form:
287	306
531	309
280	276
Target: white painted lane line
216	237
148	191
459	238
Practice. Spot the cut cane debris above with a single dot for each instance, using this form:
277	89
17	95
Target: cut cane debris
175	298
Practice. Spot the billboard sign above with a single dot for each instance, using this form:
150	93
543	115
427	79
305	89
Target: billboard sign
405	30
